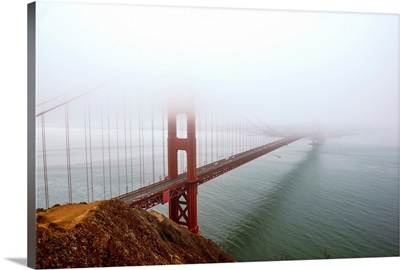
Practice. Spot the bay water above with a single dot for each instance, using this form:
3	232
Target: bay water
336	200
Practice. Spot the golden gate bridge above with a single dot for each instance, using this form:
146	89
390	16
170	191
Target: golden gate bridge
144	151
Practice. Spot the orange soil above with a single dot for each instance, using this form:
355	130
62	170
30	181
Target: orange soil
66	216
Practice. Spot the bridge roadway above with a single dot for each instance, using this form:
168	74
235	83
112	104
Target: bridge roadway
162	191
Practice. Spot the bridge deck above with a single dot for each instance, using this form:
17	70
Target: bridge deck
162	191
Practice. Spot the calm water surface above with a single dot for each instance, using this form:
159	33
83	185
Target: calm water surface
340	199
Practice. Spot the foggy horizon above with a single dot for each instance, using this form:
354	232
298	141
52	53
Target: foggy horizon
289	68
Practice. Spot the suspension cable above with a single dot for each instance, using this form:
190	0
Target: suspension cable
68	152
217	144
152	145
67	101
126	152
140	147
130	135
212	137
109	146
142	155
102	152
44	151
119	179
206	133
90	150
86	154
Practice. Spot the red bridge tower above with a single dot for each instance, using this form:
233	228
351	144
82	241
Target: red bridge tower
183	209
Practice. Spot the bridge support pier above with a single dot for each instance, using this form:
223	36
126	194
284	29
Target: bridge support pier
183	209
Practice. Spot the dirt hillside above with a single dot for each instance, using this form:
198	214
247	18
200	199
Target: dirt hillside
109	233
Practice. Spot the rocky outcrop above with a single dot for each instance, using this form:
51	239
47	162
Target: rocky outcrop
110	233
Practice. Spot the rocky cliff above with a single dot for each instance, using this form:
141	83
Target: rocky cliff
109	233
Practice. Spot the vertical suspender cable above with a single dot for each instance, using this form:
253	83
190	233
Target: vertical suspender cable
90	150
229	135
152	144
217	144
262	134
244	134
140	147
223	135
126	153
212	137
236	135
254	136
109	146
222	139
205	129
253	140
257	135
86	154
203	139
248	134
119	179
68	152
239	133
242	128
130	135
45	176
256	139
232	135
244	141
230	148
226	136
102	152
163	141
142	144
249	137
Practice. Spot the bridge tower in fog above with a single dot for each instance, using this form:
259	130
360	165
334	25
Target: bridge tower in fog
183	208
317	138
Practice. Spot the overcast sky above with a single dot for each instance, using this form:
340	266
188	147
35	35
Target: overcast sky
288	67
